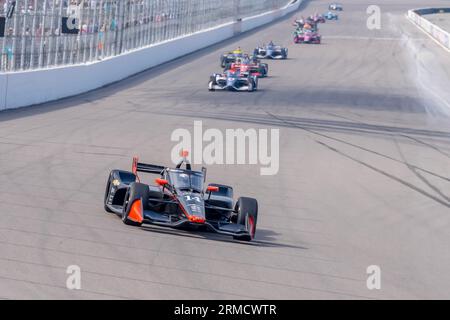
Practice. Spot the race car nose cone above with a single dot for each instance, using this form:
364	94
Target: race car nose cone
196	219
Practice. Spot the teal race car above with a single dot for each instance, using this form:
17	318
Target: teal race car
331	16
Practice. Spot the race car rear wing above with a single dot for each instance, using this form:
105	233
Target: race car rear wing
156	169
147	168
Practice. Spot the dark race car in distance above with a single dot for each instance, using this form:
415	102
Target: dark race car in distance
230	57
178	199
317	18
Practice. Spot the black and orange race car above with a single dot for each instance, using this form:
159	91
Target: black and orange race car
178	199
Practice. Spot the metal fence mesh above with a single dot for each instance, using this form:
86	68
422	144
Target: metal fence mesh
35	36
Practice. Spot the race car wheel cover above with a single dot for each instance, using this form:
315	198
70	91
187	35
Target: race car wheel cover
137	191
247	210
251	226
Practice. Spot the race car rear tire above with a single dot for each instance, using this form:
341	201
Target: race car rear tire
247	213
211	86
137	191
265	68
251	86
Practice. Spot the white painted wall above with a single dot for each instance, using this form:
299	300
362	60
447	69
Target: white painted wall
3	95
27	88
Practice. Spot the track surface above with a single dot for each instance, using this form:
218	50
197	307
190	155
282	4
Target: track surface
363	180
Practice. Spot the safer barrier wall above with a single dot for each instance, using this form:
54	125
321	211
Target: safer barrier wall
440	35
26	88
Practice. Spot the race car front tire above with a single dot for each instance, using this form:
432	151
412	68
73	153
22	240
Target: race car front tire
211	83
108	187
247	215
137	191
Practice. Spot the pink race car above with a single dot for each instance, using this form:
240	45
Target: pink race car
307	36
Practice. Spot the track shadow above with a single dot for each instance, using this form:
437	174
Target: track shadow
264	237
268	238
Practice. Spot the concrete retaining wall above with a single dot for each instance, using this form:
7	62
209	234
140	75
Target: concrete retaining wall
440	35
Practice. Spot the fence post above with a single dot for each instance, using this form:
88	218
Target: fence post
33	35
24	37
15	35
120	27
59	32
42	44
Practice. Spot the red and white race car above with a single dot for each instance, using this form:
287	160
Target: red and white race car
251	68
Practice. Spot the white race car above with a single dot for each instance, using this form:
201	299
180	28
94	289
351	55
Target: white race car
336	6
233	81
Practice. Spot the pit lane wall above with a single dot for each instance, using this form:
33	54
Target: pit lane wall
19	89
440	35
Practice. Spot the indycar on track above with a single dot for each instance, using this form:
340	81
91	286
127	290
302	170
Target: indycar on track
178	199
231	57
310	21
233	81
336	7
307	36
271	51
317	18
300	25
331	16
249	68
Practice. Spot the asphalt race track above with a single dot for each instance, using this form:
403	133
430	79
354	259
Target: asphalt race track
364	174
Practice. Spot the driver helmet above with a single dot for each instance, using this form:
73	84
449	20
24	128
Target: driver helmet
184	178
